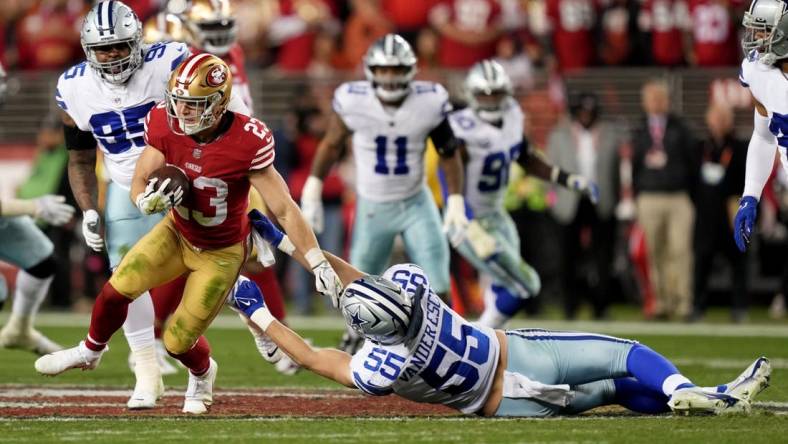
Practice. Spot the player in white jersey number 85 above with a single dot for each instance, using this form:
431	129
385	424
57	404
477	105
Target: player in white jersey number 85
417	347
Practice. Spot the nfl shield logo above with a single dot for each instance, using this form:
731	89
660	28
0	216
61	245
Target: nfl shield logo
197	153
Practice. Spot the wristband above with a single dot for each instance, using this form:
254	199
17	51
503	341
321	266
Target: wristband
262	318
315	257
286	246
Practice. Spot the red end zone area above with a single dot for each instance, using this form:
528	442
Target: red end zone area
31	402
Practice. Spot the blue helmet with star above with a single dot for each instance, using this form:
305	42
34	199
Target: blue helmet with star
378	309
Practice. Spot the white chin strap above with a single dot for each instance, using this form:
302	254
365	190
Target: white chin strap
490	116
390	96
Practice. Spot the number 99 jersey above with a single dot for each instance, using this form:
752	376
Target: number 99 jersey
491	150
213	214
115	113
450	362
768	86
389	144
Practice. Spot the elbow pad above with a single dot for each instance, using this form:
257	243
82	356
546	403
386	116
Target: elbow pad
76	139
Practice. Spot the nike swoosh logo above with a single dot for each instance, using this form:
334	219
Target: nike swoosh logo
272	353
244	302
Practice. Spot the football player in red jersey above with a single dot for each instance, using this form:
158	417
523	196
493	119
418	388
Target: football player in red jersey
209	26
207	235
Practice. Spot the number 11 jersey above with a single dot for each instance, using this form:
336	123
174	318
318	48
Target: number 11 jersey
449	362
388	144
213	214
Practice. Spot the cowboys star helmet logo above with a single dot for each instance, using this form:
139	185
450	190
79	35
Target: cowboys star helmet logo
216	76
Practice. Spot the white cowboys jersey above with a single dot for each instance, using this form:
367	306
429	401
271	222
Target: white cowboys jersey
115	114
388	146
768	86
450	362
491	150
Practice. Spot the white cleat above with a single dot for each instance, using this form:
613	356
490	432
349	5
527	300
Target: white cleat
287	366
752	381
199	393
267	348
695	401
28	339
74	357
145	394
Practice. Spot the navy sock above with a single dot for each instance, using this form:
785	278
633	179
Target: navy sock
637	397
652	369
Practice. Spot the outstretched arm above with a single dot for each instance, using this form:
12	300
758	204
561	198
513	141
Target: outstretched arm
81	163
536	164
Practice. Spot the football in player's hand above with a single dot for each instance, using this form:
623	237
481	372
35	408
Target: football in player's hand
177	178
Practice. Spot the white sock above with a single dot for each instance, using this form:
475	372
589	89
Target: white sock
138	327
29	293
670	383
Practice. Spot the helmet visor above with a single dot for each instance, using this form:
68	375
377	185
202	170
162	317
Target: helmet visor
190	115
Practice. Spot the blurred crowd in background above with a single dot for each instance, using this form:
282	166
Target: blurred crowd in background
659	237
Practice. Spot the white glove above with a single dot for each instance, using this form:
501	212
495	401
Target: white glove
327	282
53	210
481	242
455	222
155	200
91	230
581	184
312	203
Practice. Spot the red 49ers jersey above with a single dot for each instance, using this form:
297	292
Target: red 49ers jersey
213	215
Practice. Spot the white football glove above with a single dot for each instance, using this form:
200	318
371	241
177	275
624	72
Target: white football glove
455	222
53	210
155	200
265	345
312	203
327	282
482	243
583	185
91	230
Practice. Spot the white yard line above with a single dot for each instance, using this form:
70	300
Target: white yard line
231	321
65	392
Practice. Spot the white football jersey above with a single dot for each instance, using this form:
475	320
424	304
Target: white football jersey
491	150
115	114
769	86
451	361
388	146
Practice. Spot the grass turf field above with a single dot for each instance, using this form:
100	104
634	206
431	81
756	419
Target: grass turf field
303	408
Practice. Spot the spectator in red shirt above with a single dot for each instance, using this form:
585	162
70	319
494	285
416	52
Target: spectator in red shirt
296	28
713	34
47	36
366	24
571	23
665	21
468	30
407	17
618	29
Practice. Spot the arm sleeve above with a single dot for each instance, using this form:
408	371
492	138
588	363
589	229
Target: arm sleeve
76	139
443	138
760	157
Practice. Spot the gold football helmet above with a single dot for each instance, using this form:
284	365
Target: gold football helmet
164	27
198	93
210	24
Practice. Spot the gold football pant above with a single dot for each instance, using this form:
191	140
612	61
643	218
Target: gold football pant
162	255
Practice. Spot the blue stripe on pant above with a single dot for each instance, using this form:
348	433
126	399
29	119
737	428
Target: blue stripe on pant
585	361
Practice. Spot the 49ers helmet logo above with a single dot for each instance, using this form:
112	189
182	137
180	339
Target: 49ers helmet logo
216	76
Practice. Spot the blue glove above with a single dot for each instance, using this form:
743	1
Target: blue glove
246	297
266	228
744	223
